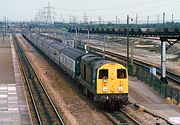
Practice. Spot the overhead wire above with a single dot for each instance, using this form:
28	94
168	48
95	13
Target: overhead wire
131	6
153	5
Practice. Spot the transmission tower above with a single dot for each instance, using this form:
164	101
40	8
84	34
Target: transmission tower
85	18
158	20
100	19
147	20
70	18
136	19
116	20
49	14
172	18
74	19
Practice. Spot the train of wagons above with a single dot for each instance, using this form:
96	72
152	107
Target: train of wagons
105	81
123	31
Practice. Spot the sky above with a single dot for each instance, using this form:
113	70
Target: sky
25	10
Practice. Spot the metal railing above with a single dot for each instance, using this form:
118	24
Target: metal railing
153	81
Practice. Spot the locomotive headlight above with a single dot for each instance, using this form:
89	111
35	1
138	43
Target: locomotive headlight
104	89
104	80
120	89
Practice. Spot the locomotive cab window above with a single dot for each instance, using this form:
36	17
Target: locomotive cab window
121	73
103	73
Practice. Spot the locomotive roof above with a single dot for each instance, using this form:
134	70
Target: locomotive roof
87	59
94	61
72	53
98	64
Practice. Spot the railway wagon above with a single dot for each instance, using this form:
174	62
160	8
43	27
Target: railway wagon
103	80
70	59
132	31
36	39
68	42
49	47
54	51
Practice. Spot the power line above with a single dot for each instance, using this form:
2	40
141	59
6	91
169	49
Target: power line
125	7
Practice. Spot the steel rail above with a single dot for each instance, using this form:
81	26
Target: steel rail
34	74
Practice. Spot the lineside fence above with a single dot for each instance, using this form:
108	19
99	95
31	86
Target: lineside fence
153	81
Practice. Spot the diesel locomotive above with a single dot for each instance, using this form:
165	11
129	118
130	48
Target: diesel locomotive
105	81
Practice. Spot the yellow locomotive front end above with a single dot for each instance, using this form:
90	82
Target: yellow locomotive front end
112	78
106	81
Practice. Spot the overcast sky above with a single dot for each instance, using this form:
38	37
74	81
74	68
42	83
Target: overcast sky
18	10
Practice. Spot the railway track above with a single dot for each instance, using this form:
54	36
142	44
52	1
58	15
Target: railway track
121	117
170	75
45	110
